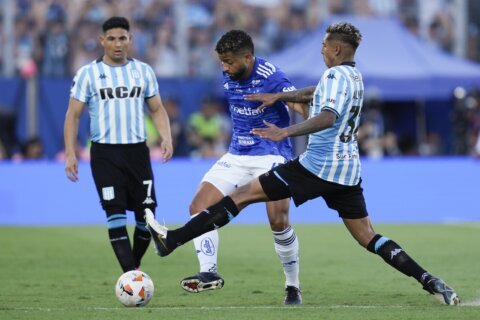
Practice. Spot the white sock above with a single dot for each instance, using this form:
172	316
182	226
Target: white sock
286	246
206	247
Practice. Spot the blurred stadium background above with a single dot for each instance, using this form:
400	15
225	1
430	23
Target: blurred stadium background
419	136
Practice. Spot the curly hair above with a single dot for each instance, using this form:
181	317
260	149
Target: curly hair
116	22
345	32
235	41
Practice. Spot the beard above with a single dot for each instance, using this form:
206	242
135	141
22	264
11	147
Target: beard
239	74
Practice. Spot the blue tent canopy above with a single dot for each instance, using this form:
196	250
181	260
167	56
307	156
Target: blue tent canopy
394	63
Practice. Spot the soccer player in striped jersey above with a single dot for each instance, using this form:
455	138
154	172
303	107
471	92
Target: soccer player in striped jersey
329	168
248	157
115	88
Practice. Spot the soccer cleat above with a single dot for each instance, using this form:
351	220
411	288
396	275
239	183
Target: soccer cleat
293	295
159	234
202	281
441	291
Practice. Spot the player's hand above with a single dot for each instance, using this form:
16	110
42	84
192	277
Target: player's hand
271	132
167	150
267	99
71	168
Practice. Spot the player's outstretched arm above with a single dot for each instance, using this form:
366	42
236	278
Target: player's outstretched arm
70	132
267	99
162	123
322	121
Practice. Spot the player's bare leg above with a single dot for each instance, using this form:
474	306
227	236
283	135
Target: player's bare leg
394	255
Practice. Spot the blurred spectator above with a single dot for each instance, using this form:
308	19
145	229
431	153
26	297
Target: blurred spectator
165	59
32	149
180	148
24	41
202	57
273	24
205	132
54	54
440	31
432	146
85	48
407	145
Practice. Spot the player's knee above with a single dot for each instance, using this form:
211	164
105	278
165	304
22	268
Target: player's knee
279	222
195	208
116	217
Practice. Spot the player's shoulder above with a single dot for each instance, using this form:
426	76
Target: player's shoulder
334	73
266	69
85	69
138	62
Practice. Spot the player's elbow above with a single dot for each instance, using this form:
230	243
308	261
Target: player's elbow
328	118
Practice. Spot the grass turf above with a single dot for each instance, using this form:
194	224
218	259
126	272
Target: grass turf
70	272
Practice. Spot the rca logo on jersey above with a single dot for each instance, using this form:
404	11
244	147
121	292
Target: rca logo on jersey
120	92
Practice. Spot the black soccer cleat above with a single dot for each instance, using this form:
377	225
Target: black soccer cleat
202	281
293	295
441	291
159	234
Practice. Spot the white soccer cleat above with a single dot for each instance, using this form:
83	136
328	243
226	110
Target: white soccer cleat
159	234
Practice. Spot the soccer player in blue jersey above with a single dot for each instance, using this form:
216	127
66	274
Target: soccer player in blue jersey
329	168
248	157
115	88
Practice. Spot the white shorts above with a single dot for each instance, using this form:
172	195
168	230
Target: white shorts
232	171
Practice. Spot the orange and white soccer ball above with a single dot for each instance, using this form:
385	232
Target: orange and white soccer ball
134	289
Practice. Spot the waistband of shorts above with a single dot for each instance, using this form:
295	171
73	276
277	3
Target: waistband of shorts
118	146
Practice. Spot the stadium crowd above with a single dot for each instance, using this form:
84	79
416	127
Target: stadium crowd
55	37
59	36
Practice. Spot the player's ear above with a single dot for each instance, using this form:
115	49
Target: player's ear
248	57
338	48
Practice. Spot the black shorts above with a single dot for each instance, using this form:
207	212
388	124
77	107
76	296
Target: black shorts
123	176
294	180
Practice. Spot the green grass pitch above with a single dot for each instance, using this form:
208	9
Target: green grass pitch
70	273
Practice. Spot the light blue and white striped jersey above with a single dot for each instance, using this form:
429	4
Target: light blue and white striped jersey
332	154
115	96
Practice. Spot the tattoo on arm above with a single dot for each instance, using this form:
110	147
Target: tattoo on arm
301	95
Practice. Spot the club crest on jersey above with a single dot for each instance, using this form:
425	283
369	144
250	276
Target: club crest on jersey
120	92
135	74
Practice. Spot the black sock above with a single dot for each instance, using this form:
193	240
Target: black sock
122	248
213	217
395	256
141	240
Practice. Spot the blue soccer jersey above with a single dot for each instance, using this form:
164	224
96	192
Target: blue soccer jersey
115	96
332	154
265	78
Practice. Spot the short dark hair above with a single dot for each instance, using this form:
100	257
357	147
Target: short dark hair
235	41
345	32
116	22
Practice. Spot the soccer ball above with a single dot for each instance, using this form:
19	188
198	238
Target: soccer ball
134	288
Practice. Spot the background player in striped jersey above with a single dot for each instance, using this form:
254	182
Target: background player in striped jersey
329	168
115	89
248	157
